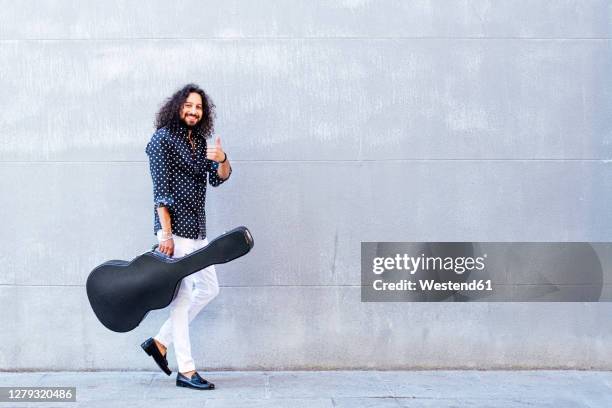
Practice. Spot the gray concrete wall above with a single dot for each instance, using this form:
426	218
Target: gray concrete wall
345	121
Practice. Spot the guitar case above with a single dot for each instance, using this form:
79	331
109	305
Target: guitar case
121	293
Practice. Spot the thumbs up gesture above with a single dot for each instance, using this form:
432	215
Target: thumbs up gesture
215	152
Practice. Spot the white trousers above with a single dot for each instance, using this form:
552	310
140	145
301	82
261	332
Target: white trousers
195	292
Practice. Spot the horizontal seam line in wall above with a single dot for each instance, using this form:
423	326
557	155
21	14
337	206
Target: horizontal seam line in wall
322	286
222	286
301	161
353	38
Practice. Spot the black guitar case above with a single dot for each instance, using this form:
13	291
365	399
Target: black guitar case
121	293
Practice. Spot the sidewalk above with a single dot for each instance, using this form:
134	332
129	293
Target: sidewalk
314	389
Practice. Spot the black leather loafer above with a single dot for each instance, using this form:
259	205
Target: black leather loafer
196	382
151	349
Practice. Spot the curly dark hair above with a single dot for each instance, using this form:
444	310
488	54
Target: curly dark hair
169	113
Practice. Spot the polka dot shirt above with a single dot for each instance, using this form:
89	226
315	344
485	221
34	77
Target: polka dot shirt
179	176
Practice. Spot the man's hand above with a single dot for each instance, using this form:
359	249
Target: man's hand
166	247
215	152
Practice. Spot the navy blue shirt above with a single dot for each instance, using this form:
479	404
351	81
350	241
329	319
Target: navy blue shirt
180	176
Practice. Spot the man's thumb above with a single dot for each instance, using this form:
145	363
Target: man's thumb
218	141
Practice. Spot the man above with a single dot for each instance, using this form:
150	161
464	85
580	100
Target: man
181	164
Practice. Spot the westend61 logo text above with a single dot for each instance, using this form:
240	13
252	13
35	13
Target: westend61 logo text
393	271
413	264
430	264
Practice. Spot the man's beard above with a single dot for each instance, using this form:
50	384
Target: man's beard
190	127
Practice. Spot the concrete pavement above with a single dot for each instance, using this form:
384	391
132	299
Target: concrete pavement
313	389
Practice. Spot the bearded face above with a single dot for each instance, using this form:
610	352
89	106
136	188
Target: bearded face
191	111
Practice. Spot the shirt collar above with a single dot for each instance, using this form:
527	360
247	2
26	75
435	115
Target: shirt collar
181	130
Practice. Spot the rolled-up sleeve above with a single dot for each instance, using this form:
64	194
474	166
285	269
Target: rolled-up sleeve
213	176
159	164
